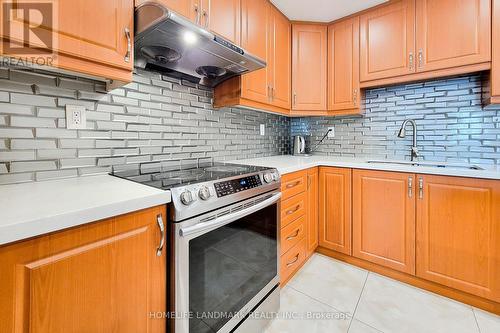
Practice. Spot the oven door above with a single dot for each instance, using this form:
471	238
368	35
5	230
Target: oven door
226	262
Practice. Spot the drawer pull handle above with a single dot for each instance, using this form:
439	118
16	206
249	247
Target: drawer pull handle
294	235
291	211
159	220
420	188
410	187
293	184
295	259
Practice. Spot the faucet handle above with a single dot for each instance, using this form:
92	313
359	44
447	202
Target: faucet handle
415	152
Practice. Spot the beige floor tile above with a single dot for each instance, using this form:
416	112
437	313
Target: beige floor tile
359	327
488	322
298	308
330	281
391	306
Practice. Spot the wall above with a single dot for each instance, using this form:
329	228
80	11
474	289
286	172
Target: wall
452	125
154	118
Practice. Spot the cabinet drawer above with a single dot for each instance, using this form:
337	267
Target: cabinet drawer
292	260
292	209
292	234
293	183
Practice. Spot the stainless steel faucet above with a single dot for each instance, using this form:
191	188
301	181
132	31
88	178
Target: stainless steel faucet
402	133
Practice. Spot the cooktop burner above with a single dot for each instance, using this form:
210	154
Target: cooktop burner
166	177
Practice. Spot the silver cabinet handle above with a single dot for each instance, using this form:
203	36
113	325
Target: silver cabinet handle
420	188
410	187
205	16
197	12
159	220
294	98
129	45
295	259
355	96
411	61
291	211
294	235
293	184
273	93
420	58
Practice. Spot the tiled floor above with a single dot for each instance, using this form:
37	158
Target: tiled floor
330	296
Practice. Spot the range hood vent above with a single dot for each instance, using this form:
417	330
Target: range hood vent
170	43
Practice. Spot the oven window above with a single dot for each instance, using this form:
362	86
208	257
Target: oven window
229	266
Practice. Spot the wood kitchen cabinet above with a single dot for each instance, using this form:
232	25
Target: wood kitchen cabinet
452	33
494	97
92	37
458	234
312	210
223	18
335	209
100	277
309	67
387	41
343	67
265	33
384	218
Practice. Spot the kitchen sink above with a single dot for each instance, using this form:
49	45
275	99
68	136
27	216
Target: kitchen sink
429	164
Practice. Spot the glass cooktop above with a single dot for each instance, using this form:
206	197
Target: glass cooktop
166	176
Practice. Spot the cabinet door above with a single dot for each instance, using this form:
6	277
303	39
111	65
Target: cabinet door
452	33
335	209
254	38
312	211
281	59
384	218
343	65
100	277
458	234
387	37
495	53
187	8
309	61
223	18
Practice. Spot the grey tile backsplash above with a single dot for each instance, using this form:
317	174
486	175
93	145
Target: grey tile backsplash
452	124
153	119
160	119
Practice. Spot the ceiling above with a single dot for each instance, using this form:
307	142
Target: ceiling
322	10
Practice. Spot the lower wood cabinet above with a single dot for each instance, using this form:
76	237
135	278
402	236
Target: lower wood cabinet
100	277
335	209
458	234
384	218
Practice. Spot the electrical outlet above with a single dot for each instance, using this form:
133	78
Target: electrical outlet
331	134
262	129
76	117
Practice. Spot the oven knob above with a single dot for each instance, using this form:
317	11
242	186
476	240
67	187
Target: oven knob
204	193
268	177
187	197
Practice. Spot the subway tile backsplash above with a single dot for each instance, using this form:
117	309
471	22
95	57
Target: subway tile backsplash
452	124
163	120
153	119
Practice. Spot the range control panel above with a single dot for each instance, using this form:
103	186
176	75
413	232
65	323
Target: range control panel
237	185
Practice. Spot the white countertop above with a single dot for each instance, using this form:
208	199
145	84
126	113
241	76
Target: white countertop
33	209
288	163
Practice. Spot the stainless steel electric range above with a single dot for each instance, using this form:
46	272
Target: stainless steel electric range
224	244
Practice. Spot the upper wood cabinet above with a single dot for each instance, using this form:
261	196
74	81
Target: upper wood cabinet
280	58
312	209
387	41
458	234
309	67
223	18
384	218
452	33
93	37
495	54
343	66
335	209
101	277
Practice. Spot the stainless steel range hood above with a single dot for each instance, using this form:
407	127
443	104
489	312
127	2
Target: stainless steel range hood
170	43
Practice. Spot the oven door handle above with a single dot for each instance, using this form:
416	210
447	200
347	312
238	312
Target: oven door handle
226	219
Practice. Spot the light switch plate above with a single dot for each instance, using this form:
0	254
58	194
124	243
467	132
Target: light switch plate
76	117
262	129
331	134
